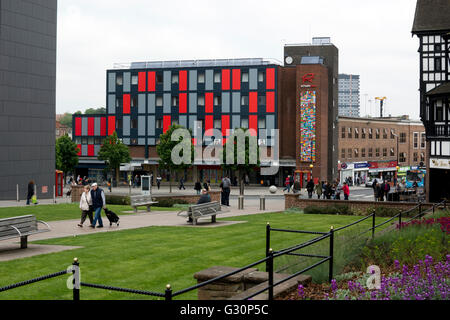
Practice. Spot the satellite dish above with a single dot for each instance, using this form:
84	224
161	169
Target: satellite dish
289	60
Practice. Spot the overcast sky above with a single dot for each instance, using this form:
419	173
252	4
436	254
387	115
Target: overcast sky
373	38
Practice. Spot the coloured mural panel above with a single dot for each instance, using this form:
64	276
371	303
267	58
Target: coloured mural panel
308	126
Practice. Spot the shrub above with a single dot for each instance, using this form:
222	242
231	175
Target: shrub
115	199
341	209
169	202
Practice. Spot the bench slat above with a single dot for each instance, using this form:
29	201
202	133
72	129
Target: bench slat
14	221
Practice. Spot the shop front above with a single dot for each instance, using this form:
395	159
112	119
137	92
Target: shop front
383	171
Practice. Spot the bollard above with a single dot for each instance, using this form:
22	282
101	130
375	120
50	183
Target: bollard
240	202
54	194
262	203
18	200
168	293
270	273
76	279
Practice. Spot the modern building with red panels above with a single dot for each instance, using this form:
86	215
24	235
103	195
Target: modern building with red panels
144	99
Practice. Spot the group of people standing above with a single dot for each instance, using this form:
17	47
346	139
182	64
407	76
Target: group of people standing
380	191
327	190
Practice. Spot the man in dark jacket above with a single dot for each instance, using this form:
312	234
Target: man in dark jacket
310	188
98	202
204	198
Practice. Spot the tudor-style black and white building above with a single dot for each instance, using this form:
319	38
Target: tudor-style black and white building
432	27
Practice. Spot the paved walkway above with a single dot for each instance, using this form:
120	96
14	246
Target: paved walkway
10	250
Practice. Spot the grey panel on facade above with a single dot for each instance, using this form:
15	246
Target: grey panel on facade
151	141
166	102
96	126
126	125
141	103
192	102
225	102
111	103
111	82
126	82
126	141
192	122
253	79
236	102
141	125
96	149
167	81
183	121
151	126
236	122
193	80
270	123
209	80
141	141
151	103
84	150
84	126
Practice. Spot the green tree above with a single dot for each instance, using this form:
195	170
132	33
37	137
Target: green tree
165	147
66	154
114	152
66	119
243	159
95	111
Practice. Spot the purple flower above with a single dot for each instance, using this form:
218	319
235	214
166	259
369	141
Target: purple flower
301	291
397	264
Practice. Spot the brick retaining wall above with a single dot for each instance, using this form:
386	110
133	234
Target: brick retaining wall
293	201
191	199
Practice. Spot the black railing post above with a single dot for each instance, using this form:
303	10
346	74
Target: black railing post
267	245
373	224
168	293
76	279
270	272
420	208
330	271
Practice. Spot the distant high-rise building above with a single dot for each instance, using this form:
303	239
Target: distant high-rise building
27	96
349	101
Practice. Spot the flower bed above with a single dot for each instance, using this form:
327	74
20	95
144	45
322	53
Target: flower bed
443	221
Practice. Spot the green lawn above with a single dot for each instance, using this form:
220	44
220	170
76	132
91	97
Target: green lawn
54	212
149	258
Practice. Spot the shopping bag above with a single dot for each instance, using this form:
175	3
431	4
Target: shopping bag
33	199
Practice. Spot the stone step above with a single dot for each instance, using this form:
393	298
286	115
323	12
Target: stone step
283	288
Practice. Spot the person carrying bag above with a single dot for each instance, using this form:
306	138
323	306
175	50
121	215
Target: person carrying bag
86	206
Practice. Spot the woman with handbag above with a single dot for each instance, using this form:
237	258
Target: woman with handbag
86	206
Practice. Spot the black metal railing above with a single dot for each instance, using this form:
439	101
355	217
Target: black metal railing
168	294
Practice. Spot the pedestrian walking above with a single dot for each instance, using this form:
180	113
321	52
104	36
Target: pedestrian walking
328	190
86	206
337	195
375	190
30	192
346	191
198	187
310	188
158	181
386	189
318	190
181	186
226	189
287	184
380	192
98	202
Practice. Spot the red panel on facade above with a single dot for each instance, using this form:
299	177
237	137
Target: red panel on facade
103	126
151	81
90	150
209	122
182	80
78	126
126	103
270	101
79	149
253	124
183	102
236	79
166	123
141	81
225	79
225	124
209	102
91	125
270	78
111	125
253	102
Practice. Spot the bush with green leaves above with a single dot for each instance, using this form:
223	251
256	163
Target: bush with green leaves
340	209
116	199
169	202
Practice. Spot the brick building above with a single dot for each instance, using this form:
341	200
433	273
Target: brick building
375	147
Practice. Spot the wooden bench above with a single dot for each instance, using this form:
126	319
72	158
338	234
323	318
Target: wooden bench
198	211
22	227
142	200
